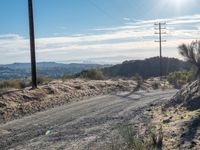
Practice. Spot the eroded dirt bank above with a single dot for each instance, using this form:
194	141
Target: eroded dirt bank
89	124
180	119
18	103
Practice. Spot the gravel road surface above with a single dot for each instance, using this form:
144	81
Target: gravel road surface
79	125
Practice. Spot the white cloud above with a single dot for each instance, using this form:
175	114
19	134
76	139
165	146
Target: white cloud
127	19
133	39
10	37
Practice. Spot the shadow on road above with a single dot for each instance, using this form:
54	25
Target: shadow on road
129	96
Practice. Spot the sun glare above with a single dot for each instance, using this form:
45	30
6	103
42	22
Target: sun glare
179	3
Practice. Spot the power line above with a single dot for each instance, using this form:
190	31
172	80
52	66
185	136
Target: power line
99	8
102	10
159	27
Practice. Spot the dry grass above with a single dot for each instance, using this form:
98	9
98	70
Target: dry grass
17	84
173	122
21	84
131	138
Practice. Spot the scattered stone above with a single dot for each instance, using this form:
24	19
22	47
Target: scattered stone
2	104
167	120
193	144
148	109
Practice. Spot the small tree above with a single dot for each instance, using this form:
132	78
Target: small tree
192	54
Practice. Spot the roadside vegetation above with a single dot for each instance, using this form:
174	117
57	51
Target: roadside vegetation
67	77
139	80
130	139
17	84
93	74
43	80
180	117
21	84
191	53
180	78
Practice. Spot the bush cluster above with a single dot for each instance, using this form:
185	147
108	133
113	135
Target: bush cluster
180	78
67	77
43	80
21	84
93	74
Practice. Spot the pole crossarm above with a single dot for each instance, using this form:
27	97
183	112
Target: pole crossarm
162	23
161	41
161	32
162	28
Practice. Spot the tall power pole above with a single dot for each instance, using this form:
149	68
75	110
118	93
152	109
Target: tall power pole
159	27
32	44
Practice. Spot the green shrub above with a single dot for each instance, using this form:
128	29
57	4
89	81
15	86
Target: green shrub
155	85
67	77
180	78
93	74
43	80
139	81
137	77
132	140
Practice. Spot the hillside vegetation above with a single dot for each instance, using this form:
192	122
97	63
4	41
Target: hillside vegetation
146	68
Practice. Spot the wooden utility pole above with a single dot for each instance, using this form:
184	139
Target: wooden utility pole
159	30
32	44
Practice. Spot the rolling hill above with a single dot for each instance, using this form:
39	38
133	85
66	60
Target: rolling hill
146	68
51	69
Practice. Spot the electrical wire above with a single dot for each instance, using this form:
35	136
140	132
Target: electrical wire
103	11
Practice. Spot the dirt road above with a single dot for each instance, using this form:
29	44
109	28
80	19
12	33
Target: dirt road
79	125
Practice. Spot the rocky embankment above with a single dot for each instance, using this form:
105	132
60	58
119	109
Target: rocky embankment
18	103
180	119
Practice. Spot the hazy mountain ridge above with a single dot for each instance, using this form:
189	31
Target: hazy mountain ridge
51	69
146	68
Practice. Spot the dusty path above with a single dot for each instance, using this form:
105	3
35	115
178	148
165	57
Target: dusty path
78	125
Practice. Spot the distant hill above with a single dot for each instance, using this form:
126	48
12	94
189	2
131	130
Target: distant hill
146	68
51	69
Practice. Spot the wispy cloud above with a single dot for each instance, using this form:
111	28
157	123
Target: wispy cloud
10	36
127	19
134	40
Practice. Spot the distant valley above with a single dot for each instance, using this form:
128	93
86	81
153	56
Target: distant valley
146	68
50	69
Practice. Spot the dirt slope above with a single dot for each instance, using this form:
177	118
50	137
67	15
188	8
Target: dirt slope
18	103
86	124
180	119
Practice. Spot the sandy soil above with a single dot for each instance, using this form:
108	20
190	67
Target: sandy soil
82	125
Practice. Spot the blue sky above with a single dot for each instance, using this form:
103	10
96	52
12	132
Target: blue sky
102	31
